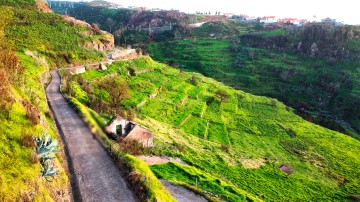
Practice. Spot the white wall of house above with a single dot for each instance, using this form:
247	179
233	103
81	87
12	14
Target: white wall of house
267	20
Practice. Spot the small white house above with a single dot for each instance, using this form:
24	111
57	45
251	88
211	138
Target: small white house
268	19
328	21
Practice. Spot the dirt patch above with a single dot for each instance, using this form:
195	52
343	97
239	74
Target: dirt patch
182	194
152	160
252	163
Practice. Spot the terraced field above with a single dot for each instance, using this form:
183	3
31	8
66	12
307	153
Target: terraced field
327	92
233	148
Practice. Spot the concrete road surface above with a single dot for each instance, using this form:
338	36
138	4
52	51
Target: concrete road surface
94	175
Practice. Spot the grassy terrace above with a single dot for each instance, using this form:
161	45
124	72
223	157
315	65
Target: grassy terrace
324	88
233	148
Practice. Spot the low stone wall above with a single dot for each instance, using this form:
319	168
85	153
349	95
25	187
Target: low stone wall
143	71
77	70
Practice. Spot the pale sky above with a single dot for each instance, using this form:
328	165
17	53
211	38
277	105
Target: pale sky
345	10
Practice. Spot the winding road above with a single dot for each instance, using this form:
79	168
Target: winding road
94	175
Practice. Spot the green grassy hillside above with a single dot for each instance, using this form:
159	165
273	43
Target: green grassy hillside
32	42
233	142
323	92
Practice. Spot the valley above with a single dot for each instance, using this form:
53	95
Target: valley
172	106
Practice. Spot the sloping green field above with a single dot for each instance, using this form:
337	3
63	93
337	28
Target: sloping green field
233	147
327	92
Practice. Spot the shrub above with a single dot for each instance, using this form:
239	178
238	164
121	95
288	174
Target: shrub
132	147
223	95
10	63
25	196
6	100
32	113
194	80
49	114
27	140
33	157
210	100
131	115
225	148
139	51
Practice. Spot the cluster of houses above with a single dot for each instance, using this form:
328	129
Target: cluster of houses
278	21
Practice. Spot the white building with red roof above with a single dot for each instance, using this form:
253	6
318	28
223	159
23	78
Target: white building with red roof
268	19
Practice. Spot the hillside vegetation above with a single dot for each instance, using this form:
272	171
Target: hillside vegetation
232	141
323	92
32	42
297	65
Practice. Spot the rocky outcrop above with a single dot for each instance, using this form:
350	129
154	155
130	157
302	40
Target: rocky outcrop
105	42
43	6
74	21
124	54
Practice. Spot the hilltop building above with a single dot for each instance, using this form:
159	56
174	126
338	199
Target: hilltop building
328	21
291	21
268	19
228	15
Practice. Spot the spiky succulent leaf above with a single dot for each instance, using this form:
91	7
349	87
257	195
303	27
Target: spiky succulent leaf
49	170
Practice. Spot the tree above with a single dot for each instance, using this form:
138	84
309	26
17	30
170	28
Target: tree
222	95
110	23
117	89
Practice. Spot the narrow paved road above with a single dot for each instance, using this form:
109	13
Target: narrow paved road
95	175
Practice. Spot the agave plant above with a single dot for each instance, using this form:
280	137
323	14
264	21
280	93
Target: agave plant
46	147
49	171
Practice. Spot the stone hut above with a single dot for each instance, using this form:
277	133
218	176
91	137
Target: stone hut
123	130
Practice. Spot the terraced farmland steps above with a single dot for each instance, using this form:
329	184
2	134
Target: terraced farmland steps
94	175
